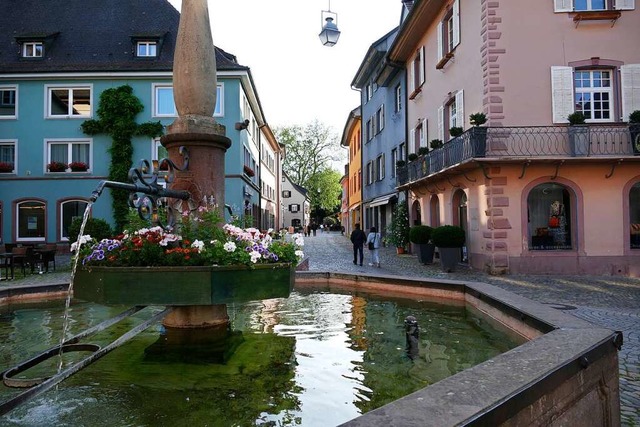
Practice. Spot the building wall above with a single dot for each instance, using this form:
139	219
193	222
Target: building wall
355	173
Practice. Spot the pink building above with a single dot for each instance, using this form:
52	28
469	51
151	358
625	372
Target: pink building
534	194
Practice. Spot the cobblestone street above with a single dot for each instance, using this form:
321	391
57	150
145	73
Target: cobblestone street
611	302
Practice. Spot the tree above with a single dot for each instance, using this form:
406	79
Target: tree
309	150
325	190
116	118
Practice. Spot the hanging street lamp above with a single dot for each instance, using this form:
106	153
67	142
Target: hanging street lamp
330	34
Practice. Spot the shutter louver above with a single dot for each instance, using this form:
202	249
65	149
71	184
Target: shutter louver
562	101
441	124
460	109
456	23
630	83
624	5
563	5
440	47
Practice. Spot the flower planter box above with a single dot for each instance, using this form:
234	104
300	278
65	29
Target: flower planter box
183	285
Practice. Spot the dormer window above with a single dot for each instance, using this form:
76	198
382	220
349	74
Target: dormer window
32	50
147	49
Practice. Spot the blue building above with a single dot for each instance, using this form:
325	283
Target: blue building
54	67
383	98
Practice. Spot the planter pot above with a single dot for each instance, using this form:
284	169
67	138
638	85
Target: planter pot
579	140
400	250
449	258
183	285
634	130
479	141
425	252
79	169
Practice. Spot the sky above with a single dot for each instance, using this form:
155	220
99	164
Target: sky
298	79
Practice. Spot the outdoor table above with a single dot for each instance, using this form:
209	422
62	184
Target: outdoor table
43	254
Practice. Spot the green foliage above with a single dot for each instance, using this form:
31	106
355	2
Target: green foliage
456	131
411	157
448	236
420	234
401	163
96	227
398	231
477	119
329	220
325	190
422	151
436	143
116	114
576	118
634	117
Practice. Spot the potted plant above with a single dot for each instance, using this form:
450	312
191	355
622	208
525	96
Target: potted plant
420	235
411	157
422	151
437	158
449	239
578	134
78	166
398	231
57	167
6	167
401	164
634	130
455	131
436	143
248	171
478	134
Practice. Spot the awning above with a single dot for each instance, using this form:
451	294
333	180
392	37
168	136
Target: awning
383	200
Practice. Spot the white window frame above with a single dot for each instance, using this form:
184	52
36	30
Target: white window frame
8	88
11	143
394	160
417	72
380	119
294	207
380	167
398	99
560	6
32	49
591	90
70	143
61	216
17	229
155	87
147	49
71	88
448	31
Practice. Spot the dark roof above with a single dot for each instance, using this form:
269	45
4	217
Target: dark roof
91	35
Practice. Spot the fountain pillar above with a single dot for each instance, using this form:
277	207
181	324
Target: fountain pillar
194	91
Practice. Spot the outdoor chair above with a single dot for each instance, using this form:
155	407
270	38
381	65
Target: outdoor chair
24	257
47	255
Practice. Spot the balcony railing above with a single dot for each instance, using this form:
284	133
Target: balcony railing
504	143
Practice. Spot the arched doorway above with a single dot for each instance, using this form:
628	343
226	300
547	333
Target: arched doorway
460	217
434	210
549	217
415	213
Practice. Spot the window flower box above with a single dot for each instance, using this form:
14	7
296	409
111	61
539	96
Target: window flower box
78	167
57	167
6	167
248	171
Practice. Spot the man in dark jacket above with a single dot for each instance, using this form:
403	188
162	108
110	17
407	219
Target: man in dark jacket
358	238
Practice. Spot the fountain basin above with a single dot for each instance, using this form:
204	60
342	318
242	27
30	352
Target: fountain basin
183	286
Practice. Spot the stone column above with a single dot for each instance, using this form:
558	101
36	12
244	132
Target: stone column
194	90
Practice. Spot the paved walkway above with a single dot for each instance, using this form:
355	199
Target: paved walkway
612	302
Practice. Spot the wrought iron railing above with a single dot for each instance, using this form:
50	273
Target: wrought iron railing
522	142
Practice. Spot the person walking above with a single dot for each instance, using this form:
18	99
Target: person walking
373	242
358	238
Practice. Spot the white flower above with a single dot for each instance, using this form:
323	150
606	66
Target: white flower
81	241
198	244
300	254
229	246
169	238
255	256
298	240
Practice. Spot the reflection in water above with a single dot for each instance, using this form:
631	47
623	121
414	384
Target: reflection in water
315	360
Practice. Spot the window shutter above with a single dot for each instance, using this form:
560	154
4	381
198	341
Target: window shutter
630	82
440	47
624	5
441	123
456	23
412	139
562	103
423	135
412	79
563	5
460	108
422	65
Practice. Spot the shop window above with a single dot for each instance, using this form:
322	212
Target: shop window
31	221
70	210
634	216
549	217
